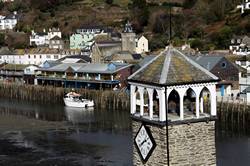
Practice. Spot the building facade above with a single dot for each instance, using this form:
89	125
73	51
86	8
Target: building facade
85	75
82	41
245	6
9	21
43	38
141	45
35	56
56	43
240	45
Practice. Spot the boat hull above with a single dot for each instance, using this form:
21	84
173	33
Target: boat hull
78	104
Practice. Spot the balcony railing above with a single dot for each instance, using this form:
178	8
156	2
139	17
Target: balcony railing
73	77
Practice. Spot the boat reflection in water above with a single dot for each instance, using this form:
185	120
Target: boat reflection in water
80	115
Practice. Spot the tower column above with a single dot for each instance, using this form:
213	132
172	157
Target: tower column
132	99
197	109
141	92
181	93
197	91
162	110
201	105
150	96
212	90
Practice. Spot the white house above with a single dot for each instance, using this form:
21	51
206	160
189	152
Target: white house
41	39
141	45
52	33
240	45
35	56
30	70
38	39
7	0
8	22
95	29
244	6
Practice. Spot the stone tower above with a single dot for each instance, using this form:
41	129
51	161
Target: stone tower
128	39
173	110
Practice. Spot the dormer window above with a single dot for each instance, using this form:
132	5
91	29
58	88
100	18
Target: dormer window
223	64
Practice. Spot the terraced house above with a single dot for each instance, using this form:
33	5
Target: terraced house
35	56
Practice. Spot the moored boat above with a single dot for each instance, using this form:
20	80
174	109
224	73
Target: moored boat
73	99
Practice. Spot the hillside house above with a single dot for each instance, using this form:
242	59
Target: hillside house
92	29
240	45
226	71
7	0
141	45
9	21
43	38
56	43
82	41
112	50
244	6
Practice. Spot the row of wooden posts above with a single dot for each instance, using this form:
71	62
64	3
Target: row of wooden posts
234	116
231	115
51	95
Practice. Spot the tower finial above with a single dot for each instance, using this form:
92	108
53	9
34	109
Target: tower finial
128	28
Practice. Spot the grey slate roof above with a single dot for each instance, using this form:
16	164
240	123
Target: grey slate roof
87	67
171	67
208	62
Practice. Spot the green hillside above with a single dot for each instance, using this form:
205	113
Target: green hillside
206	24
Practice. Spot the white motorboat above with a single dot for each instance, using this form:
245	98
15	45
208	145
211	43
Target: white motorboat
73	99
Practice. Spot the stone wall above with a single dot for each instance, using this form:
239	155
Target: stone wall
189	144
192	144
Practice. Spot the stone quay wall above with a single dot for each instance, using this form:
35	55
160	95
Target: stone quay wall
189	144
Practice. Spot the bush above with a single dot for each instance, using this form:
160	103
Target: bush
2	39
158	41
197	43
222	38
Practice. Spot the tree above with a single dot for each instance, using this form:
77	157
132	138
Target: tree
197	44
222	38
2	39
140	12
110	2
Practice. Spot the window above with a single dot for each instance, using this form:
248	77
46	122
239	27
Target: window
40	56
35	56
48	56
29	56
55	56
223	64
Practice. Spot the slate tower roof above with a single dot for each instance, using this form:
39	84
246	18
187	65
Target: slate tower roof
171	67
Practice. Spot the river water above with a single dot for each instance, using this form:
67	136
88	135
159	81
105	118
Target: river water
54	135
